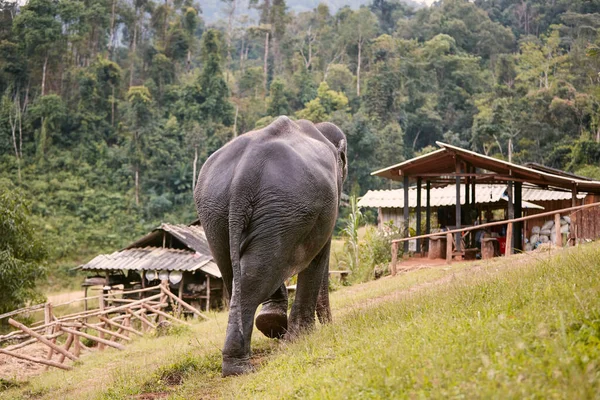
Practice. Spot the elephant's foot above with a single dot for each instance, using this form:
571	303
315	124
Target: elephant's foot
272	320
236	366
272	324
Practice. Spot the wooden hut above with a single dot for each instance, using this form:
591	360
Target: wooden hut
468	171
176	253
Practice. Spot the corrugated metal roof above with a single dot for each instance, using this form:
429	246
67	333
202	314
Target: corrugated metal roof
192	236
446	196
154	259
442	165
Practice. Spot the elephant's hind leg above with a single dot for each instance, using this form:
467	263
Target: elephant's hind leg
272	319
302	317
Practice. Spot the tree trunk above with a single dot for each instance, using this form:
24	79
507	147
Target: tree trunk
266	63
13	128
165	24
137	185
237	109
112	110
44	75
358	68
229	30
242	54
194	168
111	43
510	149
189	61
133	48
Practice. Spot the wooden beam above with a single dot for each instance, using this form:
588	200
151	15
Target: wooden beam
428	212
42	339
35	360
457	206
418	211
406	213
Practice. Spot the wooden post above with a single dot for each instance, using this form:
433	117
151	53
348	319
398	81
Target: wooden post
68	345
207	293
101	308
180	292
448	248
394	258
108	332
77	349
518	231
418	214
48	318
164	314
406	213
428	213
41	339
458	207
558	235
50	353
509	239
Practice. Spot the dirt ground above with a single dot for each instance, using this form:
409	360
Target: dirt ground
21	370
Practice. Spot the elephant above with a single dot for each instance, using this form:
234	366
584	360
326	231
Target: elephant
268	201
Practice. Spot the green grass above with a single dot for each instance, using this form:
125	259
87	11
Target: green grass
524	327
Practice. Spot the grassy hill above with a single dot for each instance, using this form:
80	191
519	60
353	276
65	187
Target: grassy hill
526	327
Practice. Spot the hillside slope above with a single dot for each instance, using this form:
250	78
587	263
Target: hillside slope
524	327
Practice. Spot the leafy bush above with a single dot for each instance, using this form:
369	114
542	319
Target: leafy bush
22	255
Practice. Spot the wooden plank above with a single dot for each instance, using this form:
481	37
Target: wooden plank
42	339
100	333
48	318
94	338
35	360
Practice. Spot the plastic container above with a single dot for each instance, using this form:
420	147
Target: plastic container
502	243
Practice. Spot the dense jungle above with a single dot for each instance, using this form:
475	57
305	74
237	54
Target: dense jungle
108	108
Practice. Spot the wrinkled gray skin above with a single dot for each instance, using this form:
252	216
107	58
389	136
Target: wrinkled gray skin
268	201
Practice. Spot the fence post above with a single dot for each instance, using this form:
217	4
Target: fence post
448	248
394	257
509	240
48	317
558	235
101	307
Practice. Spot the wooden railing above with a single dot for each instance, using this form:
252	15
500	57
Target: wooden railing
110	329
509	232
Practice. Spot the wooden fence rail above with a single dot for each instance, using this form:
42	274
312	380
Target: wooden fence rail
76	326
509	232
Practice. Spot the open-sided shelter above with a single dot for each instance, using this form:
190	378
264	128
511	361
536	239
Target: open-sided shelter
176	253
467	170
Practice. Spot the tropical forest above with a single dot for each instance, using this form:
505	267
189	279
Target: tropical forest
108	108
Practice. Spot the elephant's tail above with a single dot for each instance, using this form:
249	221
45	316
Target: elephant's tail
237	224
